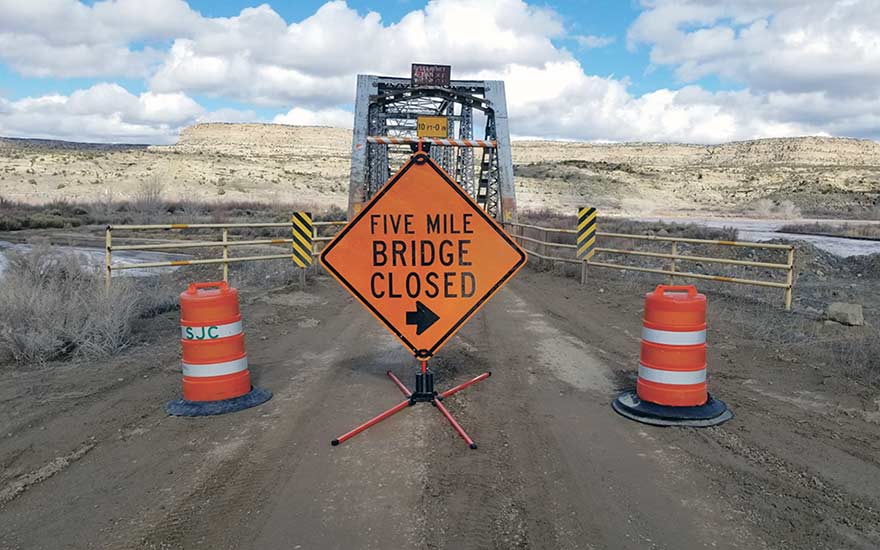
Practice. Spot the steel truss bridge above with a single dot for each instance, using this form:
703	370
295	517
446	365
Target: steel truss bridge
386	111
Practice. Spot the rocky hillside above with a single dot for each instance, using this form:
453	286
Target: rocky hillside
262	140
309	165
814	151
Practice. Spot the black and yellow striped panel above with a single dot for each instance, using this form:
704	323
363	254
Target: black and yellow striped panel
586	236
301	226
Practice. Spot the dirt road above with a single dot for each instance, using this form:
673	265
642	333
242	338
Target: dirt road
90	460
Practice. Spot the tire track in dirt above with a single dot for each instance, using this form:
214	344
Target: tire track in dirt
280	483
791	467
226	507
53	467
472	499
820	513
557	468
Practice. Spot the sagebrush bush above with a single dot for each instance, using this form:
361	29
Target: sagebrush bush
150	206
52	305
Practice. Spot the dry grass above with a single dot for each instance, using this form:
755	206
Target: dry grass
149	196
772	209
149	207
54	308
852	352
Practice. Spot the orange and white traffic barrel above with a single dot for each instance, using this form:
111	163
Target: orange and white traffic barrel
672	382
216	378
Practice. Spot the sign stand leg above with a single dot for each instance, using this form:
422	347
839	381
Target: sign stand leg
424	393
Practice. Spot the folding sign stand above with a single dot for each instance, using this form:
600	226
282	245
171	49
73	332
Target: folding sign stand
424	394
423	257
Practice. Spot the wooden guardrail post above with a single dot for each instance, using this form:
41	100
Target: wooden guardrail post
315	250
789	279
225	255
672	262
544	245
108	258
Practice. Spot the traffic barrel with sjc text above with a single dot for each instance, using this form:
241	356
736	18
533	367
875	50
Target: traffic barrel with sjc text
216	378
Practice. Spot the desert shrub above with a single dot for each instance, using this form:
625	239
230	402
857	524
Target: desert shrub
149	206
334	213
54	306
768	208
16	215
148	197
859	358
263	274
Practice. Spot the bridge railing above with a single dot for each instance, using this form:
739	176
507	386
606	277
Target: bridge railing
547	250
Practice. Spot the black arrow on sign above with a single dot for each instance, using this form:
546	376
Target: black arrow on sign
422	318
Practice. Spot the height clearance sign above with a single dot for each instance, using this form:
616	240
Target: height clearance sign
422	256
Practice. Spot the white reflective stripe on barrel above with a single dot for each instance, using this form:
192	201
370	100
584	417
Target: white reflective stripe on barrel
215	369
674	338
210	332
674	377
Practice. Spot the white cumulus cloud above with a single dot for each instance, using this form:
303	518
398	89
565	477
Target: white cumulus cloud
573	105
258	57
792	46
798	66
103	113
298	116
67	38
591	41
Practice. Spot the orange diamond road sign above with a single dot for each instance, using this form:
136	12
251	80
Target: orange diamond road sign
422	256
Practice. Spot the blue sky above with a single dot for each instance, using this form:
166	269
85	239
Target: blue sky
658	70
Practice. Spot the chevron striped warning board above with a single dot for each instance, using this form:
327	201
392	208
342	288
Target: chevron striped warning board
301	226
586	240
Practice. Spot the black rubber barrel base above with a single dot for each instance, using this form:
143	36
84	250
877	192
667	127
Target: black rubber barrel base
182	407
714	412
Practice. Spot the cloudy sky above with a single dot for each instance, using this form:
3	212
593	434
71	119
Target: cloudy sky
702	71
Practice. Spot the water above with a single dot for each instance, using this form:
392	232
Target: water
94	257
768	230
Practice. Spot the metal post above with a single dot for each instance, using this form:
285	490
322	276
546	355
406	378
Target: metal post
360	173
789	279
672	262
584	272
108	242
544	246
507	193
225	255
302	278
314	249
